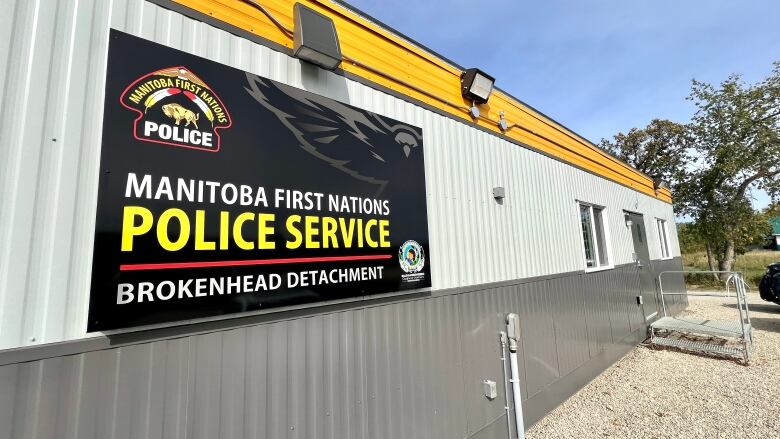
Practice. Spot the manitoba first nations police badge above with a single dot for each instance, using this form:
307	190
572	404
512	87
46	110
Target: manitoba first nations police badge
411	257
175	107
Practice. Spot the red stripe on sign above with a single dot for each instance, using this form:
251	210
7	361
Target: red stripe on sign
207	264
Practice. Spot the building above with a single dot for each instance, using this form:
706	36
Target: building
204	235
775	236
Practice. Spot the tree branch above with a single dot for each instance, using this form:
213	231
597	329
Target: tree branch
748	181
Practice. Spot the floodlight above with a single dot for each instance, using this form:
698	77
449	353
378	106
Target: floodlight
476	85
315	38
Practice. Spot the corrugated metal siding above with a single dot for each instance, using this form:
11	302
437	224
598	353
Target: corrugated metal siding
55	55
380	373
401	370
672	283
335	383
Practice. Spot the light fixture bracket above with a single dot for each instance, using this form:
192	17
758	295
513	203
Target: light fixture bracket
474	111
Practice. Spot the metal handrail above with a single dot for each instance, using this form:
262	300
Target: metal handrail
740	287
661	286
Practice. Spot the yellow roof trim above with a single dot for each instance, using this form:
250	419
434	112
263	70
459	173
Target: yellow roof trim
403	62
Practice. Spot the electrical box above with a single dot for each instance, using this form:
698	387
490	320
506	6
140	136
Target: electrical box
491	392
499	192
513	326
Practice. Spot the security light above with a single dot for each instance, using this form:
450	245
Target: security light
476	85
315	38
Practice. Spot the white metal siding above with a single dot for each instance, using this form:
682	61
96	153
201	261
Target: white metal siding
53	55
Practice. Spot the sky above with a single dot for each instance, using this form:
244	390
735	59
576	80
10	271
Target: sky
597	66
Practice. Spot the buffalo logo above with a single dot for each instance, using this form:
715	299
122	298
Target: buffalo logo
176	108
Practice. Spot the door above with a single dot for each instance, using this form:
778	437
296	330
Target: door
643	266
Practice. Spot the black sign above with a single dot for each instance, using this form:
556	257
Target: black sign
223	192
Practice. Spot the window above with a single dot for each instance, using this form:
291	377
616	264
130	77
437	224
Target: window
663	237
595	237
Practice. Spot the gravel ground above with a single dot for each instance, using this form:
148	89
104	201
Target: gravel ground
670	394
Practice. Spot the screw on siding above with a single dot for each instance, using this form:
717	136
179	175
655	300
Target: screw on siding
53	139
32	339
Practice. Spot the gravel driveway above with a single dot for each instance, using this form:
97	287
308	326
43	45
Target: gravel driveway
668	394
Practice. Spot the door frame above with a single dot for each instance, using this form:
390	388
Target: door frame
647	266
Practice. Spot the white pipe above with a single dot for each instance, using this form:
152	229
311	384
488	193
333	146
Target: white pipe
513	330
502	337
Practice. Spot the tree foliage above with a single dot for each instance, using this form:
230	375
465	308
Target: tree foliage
730	147
736	133
660	150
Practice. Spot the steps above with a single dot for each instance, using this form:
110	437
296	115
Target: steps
732	338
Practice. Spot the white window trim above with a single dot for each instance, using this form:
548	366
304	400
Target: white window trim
665	231
607	237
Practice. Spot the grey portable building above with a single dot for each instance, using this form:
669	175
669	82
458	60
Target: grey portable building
397	366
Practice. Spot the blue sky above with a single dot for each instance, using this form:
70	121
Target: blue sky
598	66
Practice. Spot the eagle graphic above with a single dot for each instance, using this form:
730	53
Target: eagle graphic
356	142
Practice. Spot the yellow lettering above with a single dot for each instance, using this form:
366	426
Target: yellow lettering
130	230
297	237
237	231
224	217
200	231
162	230
263	230
384	233
369	240
312	231
347	233
329	233
360	233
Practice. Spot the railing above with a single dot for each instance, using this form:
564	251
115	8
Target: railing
740	287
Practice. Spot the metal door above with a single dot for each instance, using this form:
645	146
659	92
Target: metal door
643	266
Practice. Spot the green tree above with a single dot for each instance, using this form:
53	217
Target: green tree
736	133
660	150
730	147
690	238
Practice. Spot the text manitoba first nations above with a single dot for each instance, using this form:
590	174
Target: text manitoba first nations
222	192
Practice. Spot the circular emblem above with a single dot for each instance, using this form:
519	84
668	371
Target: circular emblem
411	257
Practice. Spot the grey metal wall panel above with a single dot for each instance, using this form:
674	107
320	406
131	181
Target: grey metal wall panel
55	54
597	312
571	333
480	322
630	282
539	345
618	306
407	369
404	381
672	283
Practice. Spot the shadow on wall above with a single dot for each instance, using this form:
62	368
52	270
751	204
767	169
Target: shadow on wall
324	83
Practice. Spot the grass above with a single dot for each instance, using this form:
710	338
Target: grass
752	265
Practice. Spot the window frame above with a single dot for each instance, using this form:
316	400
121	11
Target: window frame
664	244
595	209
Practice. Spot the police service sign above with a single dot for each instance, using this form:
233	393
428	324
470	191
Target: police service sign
223	192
